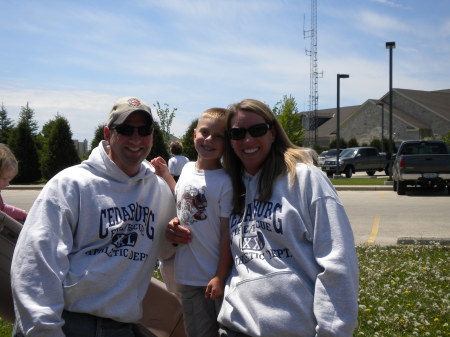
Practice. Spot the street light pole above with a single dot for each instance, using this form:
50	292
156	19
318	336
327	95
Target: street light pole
339	76
390	46
382	126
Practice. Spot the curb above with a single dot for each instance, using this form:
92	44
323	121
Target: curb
25	187
363	188
424	241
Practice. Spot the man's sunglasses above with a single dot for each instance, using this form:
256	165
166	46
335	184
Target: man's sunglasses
257	130
128	130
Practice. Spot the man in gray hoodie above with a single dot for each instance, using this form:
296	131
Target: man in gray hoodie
85	256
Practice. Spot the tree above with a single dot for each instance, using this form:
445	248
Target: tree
165	120
27	115
342	144
188	141
159	148
6	124
446	138
22	144
98	136
376	143
59	151
352	142
288	115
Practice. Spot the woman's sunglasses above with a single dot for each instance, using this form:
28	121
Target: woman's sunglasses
128	130
257	130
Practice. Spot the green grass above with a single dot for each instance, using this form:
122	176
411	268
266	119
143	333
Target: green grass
359	181
404	291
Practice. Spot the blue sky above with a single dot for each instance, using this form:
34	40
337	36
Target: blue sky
76	58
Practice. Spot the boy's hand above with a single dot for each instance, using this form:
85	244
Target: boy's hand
176	233
215	288
160	166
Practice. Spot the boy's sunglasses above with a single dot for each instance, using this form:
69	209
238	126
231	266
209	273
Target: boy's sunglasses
257	130
128	130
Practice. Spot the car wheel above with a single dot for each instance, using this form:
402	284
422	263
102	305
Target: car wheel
401	187
330	174
348	172
370	173
386	170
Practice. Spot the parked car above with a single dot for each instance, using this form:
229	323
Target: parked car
357	159
327	154
424	163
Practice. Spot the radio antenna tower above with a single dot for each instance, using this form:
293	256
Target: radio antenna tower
314	76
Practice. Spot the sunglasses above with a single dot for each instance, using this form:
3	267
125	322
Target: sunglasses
128	130
257	130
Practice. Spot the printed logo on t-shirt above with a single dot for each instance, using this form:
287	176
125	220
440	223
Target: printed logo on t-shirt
192	205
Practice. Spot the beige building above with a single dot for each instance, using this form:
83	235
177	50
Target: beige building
416	114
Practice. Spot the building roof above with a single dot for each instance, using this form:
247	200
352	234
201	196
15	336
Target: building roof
436	101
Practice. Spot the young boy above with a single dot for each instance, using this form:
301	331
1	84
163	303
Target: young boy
203	195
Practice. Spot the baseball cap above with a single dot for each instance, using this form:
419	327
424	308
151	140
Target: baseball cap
124	107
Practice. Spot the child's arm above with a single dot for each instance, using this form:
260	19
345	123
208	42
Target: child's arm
162	170
216	285
14	212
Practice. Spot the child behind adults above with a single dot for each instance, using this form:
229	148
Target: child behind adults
177	162
203	194
8	170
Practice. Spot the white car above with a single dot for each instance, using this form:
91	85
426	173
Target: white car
327	154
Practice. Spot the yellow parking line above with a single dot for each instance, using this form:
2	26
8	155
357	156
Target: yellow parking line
374	232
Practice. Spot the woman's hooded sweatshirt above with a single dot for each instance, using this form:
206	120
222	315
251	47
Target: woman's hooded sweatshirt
295	269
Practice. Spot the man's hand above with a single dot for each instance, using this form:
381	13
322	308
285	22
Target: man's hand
176	233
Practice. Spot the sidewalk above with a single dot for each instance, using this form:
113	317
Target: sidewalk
338	187
35	187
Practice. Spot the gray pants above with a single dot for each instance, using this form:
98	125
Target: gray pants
200	313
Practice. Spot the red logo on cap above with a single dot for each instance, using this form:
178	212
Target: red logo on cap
134	102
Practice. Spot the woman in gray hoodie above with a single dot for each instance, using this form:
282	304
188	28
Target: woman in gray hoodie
295	268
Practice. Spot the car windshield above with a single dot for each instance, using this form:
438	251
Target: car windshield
348	153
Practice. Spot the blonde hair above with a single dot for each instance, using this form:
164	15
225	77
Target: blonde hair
7	160
282	158
214	113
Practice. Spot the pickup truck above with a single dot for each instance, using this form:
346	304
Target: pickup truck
424	163
357	159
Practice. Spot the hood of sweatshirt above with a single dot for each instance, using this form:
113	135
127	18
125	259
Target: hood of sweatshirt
101	163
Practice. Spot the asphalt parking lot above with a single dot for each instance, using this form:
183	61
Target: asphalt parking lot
377	214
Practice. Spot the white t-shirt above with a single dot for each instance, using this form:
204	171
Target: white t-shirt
203	197
176	164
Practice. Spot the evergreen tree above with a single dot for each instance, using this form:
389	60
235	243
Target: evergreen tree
59	151
288	115
22	144
98	136
6	124
159	148
27	115
188	141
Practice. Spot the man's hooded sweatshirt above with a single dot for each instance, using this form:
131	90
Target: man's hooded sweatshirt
90	244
